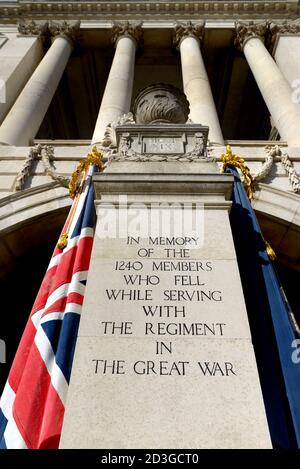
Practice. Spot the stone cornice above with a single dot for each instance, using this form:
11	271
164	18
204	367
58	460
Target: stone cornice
126	29
120	9
248	30
188	29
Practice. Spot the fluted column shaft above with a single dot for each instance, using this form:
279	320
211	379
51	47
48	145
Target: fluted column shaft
274	88
195	81
25	117
118	91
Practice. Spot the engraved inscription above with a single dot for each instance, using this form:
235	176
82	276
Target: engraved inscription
162	145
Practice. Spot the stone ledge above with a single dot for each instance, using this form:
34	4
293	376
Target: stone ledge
163	184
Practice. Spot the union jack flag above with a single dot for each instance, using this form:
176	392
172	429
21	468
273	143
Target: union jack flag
33	401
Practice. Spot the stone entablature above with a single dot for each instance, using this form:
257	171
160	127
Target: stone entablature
248	9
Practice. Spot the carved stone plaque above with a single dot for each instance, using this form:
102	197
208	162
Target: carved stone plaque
162	145
161	142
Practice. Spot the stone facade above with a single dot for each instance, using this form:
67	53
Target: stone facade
161	140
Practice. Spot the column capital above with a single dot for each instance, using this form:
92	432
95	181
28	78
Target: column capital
67	29
126	29
32	28
246	30
187	29
282	28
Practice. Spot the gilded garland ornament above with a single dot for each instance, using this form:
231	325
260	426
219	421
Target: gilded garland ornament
94	157
75	188
229	159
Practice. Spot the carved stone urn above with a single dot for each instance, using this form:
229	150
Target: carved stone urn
161	103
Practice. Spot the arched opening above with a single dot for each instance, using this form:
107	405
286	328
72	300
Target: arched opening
25	251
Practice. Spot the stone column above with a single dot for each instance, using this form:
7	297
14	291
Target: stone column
19	57
195	80
285	48
25	117
118	91
274	88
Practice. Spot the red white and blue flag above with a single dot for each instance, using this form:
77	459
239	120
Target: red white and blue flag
33	402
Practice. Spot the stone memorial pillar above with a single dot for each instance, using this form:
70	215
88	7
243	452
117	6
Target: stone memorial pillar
274	88
164	357
118	91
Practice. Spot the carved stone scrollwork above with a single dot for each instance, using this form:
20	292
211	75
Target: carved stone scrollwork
126	29
33	28
248	30
286	27
188	29
66	29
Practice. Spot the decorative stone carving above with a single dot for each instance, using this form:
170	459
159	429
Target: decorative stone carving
274	151
32	28
164	9
161	142
133	30
26	168
161	103
66	29
46	153
108	145
285	27
188	29
246	30
291	172
267	165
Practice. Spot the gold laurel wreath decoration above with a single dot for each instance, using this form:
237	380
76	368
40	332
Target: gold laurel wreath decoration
94	157
229	159
75	189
